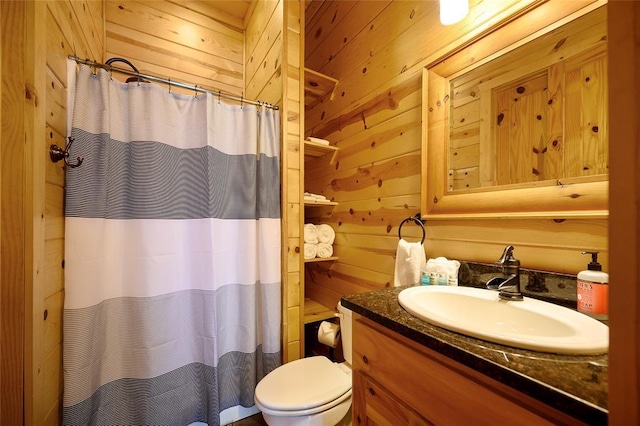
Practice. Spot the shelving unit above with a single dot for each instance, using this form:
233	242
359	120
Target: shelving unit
317	87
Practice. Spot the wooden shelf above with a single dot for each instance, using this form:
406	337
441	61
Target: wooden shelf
320	259
314	150
320	204
317	86
318	210
314	311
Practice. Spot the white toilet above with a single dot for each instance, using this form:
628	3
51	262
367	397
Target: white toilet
310	391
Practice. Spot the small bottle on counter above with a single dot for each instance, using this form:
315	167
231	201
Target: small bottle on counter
593	289
424	275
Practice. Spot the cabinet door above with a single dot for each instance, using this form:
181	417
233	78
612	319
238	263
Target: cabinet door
435	387
373	405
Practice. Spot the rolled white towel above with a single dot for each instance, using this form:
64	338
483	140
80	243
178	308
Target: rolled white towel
310	233
326	234
325	250
310	250
314	197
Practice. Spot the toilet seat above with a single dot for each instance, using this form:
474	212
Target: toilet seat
302	387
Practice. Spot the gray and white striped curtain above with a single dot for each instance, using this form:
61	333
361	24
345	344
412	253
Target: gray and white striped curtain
172	255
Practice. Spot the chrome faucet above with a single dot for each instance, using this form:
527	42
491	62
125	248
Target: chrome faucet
508	286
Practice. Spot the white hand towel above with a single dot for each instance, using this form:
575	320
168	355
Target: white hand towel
310	233
325	250
310	250
326	234
409	259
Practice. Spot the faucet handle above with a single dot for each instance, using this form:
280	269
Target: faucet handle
507	255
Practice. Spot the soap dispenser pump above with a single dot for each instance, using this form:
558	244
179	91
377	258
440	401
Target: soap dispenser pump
593	289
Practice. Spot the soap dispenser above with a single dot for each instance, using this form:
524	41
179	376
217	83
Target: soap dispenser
593	289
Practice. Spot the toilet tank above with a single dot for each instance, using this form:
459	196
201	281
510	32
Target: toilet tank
345	326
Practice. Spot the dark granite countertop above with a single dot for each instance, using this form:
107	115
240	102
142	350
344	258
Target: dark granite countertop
575	385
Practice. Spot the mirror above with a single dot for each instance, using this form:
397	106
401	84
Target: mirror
516	123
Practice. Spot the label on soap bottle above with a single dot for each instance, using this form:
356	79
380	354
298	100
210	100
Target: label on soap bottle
593	298
425	279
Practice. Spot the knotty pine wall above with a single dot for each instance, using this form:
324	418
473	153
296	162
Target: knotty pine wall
188	41
36	39
377	51
73	27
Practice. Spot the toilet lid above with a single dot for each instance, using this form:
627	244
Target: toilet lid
303	384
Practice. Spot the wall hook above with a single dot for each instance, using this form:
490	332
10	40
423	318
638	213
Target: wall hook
56	154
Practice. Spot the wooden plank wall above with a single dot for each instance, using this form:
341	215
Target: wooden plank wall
263	52
273	63
377	51
12	196
72	27
187	41
37	37
624	102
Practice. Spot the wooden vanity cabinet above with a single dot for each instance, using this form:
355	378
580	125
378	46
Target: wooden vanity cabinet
397	381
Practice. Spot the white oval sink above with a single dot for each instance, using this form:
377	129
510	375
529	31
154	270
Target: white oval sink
528	324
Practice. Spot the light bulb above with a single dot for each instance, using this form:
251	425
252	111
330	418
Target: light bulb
452	11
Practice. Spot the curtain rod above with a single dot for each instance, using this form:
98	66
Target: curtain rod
171	82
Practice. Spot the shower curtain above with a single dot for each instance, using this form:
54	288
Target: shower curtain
172	254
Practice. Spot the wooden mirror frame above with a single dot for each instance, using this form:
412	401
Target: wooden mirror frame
573	197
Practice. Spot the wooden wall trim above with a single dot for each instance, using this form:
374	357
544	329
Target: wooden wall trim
624	205
290	329
34	158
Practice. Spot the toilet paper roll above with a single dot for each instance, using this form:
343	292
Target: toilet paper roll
328	333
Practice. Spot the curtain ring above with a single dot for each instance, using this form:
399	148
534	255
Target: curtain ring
195	91
169	80
241	100
219	96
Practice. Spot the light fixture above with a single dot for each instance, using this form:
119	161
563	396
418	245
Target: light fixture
452	11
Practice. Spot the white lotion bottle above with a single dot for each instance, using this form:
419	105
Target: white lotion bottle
593	289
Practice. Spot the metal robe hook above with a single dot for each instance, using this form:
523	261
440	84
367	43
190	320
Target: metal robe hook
56	154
